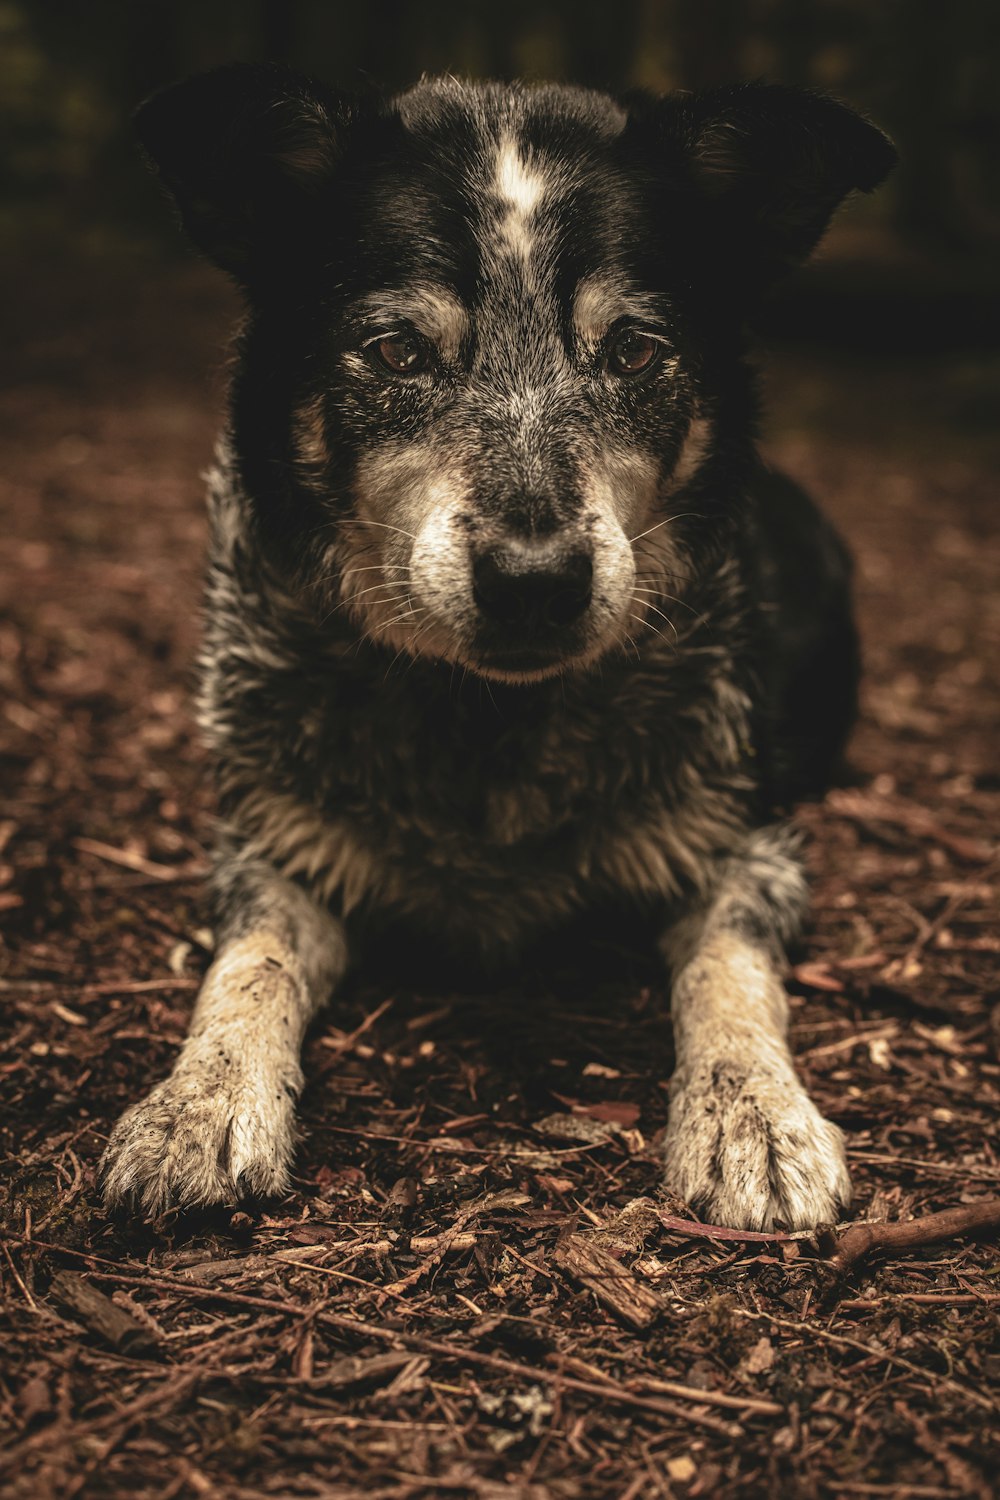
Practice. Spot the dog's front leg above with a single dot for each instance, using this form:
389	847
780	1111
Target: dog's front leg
745	1144
221	1127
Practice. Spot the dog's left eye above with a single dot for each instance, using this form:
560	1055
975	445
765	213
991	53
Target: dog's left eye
403	354
632	353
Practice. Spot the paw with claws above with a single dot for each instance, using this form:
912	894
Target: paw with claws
748	1148
217	1131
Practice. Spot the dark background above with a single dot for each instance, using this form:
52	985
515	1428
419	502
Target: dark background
881	366
70	75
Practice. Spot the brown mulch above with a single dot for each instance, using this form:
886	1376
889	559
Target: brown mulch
476	1287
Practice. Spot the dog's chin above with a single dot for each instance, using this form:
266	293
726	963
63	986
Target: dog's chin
535	663
523	666
488	655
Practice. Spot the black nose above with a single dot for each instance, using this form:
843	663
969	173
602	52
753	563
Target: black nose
530	587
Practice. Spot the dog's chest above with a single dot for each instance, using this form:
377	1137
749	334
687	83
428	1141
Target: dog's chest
511	810
466	784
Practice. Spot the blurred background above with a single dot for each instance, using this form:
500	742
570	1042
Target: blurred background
70	75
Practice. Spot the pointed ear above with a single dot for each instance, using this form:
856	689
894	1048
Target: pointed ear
246	152
770	163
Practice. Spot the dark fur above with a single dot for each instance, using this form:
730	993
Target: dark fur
441	791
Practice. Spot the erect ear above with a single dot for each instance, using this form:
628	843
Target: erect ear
246	152
770	163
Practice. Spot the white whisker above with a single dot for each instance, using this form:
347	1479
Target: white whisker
648	625
671	598
632	643
662	616
385	525
394	599
683	516
371	590
371	568
407	614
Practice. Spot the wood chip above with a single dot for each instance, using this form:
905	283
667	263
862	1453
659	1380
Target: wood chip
612	1284
98	1313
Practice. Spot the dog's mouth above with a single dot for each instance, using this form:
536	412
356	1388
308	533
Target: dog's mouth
524	663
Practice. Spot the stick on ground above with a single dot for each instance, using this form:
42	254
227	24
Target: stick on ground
861	1240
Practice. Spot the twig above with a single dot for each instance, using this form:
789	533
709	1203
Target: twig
878	1033
957	899
418	1244
487	1204
165	1395
609	1390
862	807
753	1404
98	1313
861	1240
140	986
694	1230
340	1044
17	1277
350	1370
304	1265
106	987
923	1299
940	1168
193	870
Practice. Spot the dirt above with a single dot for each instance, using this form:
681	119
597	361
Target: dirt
476	1286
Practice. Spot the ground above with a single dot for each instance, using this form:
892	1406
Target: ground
475	1286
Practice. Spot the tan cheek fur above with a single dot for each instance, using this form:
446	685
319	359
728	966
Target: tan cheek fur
309	436
399	544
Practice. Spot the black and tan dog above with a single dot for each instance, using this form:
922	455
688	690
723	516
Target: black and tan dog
491	425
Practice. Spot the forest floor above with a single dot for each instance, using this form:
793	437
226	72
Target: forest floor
476	1287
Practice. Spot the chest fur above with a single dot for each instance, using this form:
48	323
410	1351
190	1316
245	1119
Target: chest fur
469	807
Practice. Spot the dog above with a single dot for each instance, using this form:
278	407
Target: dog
507	623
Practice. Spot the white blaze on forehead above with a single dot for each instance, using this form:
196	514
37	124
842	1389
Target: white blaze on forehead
522	187
517	180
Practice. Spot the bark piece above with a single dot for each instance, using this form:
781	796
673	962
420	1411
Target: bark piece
102	1316
360	1370
612	1284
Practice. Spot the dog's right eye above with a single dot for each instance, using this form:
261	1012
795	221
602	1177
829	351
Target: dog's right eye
633	353
402	354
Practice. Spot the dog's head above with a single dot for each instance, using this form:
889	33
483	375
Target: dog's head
489	334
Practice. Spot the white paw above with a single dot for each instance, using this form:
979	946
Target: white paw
749	1149
210	1133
